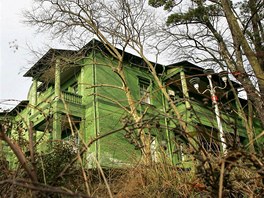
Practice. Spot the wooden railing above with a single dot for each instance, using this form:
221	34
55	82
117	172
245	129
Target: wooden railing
71	97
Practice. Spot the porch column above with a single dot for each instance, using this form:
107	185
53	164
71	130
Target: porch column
187	117
34	99
57	79
56	132
185	89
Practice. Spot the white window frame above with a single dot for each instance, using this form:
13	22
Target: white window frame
144	90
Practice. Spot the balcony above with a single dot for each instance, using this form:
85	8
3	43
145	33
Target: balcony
48	103
71	97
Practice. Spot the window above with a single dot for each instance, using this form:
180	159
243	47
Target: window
180	146
73	88
175	93
70	130
171	94
208	138
144	86
153	150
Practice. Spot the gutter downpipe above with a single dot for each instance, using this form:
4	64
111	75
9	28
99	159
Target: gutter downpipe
165	106
95	105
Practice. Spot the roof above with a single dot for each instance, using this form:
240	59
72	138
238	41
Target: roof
186	64
17	109
44	64
47	60
194	70
128	57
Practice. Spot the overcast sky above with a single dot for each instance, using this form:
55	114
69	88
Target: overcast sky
14	53
15	56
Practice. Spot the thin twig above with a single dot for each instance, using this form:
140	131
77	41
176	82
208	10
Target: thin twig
86	147
104	178
221	180
41	187
18	152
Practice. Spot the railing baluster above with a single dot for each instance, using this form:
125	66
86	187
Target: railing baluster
72	97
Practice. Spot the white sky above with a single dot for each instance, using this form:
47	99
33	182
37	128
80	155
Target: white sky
15	62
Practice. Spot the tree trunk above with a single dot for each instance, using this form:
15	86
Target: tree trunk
237	34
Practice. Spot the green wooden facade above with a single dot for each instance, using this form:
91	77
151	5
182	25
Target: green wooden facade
75	97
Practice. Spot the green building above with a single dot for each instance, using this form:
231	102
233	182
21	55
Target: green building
76	97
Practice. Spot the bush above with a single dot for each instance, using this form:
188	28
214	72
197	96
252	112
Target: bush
49	165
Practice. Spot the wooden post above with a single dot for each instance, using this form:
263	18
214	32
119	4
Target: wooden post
34	99
185	89
57	79
56	133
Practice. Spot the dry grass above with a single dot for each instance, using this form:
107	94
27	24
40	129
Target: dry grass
242	177
158	180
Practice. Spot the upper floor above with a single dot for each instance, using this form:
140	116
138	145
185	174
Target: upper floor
76	81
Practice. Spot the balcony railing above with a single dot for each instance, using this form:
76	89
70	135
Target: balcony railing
71	97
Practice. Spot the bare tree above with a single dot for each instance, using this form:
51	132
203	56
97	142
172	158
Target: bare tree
224	35
198	30
127	24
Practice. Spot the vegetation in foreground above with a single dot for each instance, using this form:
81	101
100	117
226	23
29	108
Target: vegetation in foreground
238	174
